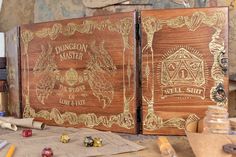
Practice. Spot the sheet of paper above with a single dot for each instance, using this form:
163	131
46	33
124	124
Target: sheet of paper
32	146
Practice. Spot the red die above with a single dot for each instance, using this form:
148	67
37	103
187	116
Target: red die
27	133
47	152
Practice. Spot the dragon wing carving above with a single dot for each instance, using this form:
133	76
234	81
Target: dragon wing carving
44	87
99	70
46	69
101	87
45	62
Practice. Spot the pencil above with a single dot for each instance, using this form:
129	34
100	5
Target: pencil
11	151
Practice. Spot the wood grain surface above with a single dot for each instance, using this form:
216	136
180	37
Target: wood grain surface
177	66
86	72
14	73
81	72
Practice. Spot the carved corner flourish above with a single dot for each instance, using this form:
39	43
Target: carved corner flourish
152	25
123	27
154	122
90	120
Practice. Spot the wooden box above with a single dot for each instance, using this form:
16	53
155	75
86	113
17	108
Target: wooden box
184	66
12	49
145	71
78	72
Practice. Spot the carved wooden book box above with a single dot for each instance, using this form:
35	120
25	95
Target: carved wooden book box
145	71
184	66
78	72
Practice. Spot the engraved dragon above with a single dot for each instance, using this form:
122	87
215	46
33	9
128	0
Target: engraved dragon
99	69
46	69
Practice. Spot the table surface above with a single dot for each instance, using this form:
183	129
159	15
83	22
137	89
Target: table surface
179	143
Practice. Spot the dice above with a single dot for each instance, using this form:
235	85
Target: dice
26	132
88	141
47	152
92	142
64	138
97	142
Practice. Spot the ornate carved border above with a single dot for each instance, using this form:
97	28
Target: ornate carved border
123	27
152	25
